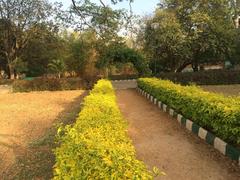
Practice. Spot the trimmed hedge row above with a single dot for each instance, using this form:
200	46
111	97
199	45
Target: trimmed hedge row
213	112
210	77
50	84
97	146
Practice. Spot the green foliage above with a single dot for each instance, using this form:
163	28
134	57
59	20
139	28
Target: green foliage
211	111
47	84
19	65
165	42
120	53
48	45
57	66
183	33
213	77
18	20
79	50
97	146
99	17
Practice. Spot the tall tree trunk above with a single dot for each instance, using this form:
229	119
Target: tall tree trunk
236	17
195	67
106	72
236	22
11	72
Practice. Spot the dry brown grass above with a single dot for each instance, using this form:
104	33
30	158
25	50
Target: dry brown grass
25	118
227	90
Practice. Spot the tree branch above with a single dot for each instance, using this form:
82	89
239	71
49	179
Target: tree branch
102	3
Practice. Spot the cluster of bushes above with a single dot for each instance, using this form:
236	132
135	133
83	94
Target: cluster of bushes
50	84
6	81
97	146
211	77
214	112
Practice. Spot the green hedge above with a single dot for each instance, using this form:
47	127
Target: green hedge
50	84
97	146
210	77
214	112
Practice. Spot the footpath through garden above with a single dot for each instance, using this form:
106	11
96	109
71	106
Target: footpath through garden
160	141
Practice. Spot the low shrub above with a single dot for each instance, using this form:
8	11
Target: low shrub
97	145
49	84
6	81
217	113
211	77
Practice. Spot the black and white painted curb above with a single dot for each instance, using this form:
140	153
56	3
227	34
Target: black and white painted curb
126	80
220	145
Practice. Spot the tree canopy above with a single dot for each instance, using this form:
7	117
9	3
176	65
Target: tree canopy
192	33
120	53
91	36
18	23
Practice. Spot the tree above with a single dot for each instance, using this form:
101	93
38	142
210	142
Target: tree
106	22
119	53
208	29
165	42
100	17
79	52
19	66
57	66
235	6
48	44
18	19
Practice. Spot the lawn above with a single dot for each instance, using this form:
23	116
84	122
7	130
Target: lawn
27	130
228	90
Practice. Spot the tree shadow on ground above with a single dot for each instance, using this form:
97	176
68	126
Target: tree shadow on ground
37	160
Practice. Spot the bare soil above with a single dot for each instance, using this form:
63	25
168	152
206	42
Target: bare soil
5	89
125	84
227	90
26	118
160	141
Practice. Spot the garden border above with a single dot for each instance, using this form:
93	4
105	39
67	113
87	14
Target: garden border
223	147
125	80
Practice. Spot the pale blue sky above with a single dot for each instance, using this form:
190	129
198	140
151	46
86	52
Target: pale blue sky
140	7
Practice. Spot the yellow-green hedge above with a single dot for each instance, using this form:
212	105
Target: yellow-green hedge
217	113
97	146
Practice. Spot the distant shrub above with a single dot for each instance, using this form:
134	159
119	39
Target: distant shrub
49	84
6	81
212	111
97	146
211	77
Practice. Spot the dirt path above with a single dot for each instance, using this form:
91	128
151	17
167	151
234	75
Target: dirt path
25	117
5	89
125	84
162	142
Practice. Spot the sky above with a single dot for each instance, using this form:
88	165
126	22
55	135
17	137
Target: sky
140	7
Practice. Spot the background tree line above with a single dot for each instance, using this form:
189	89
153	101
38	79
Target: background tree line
183	33
38	37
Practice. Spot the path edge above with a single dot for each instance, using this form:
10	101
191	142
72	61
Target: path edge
125	80
223	147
